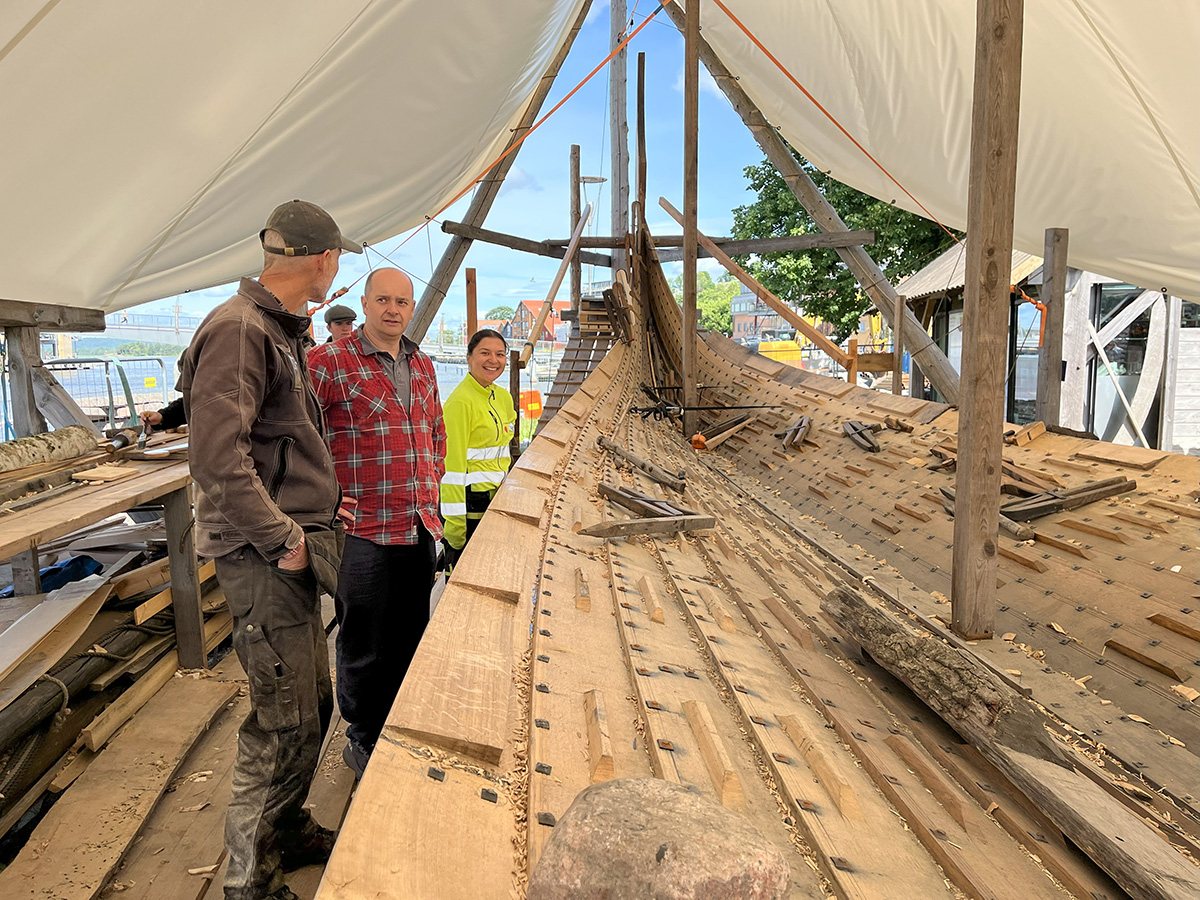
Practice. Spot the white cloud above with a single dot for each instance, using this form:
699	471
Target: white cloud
520	180
707	84
595	11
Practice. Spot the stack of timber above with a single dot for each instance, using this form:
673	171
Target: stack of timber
720	659
591	337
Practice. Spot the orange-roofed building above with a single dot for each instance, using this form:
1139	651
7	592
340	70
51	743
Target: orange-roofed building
527	312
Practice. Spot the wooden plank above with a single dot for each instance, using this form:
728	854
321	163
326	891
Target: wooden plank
24	355
104	473
1119	455
185	581
1095	530
1181	509
726	784
650	599
160	601
1051	360
148	576
50	316
600	752
77	845
24	637
1067	546
503	575
618	528
1172	624
527	504
1024	559
121	710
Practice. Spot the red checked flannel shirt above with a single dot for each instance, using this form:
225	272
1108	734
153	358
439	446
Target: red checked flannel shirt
389	459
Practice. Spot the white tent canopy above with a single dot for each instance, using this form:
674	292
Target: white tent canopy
144	140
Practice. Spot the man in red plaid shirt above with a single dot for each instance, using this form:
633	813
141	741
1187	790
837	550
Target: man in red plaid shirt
384	420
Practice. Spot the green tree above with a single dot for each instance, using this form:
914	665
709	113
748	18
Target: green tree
713	299
817	281
147	348
500	312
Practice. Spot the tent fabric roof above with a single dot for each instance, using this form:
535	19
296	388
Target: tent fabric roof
948	272
1109	141
145	141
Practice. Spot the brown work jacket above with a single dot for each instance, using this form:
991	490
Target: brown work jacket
257	445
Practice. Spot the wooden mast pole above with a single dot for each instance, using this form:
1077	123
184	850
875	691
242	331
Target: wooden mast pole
920	345
990	203
540	322
641	133
691	122
619	131
485	194
1050	354
576	263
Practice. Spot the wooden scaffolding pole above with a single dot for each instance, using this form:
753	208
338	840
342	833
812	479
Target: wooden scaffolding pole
576	263
991	199
641	134
691	123
540	322
485	194
1050	355
619	130
472	304
921	347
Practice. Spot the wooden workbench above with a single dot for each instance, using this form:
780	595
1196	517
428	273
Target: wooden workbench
26	529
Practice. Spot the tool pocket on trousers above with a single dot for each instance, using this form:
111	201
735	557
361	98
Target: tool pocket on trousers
272	684
325	547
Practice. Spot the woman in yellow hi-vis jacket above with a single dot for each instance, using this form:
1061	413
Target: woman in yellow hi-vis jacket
479	417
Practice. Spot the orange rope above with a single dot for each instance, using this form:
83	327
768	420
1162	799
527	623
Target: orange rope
782	68
517	143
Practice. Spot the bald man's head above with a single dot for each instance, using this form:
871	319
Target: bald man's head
387	303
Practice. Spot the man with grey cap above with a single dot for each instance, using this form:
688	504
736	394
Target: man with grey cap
340	322
267	506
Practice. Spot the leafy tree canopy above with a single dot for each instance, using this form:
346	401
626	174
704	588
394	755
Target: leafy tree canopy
817	281
500	312
147	348
713	300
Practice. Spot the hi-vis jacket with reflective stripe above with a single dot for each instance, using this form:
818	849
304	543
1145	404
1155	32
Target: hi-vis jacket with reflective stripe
479	424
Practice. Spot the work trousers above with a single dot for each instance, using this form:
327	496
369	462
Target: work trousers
278	637
382	608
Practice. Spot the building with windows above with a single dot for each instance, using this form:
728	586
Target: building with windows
1151	341
526	315
754	321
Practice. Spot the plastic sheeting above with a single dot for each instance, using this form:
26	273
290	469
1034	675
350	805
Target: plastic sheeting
1109	142
144	142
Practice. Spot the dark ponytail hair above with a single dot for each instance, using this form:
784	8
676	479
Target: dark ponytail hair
480	335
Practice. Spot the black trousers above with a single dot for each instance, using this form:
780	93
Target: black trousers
382	608
279	639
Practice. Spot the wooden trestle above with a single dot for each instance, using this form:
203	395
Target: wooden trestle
555	660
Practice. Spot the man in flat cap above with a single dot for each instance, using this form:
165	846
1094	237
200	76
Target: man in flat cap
340	322
267	503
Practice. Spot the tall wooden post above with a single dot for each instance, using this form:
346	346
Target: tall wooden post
991	198
619	131
691	127
1051	366
514	388
576	265
898	347
185	579
23	355
472	305
641	133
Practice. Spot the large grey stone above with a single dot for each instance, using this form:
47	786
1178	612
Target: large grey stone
643	838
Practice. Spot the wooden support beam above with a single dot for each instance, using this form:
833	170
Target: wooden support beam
876	285
658	473
618	528
991	199
576	265
898	348
641	133
485	193
540	248
691	143
185	579
49	317
1051	364
618	130
548	304
24	356
731	246
782	309
472	304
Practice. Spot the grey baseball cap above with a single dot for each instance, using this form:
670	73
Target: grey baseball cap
307	230
339	313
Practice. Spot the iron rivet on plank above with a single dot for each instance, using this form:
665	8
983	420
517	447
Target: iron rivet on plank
436	774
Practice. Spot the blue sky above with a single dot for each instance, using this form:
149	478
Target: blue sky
533	202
